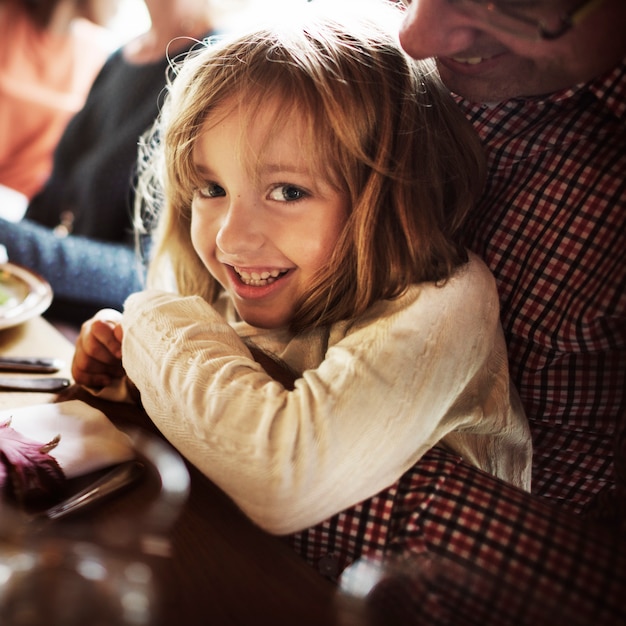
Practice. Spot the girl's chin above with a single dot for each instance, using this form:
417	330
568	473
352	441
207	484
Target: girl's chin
264	322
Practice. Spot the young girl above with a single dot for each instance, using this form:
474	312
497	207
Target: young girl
314	183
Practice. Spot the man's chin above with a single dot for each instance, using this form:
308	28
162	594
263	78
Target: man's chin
502	78
476	88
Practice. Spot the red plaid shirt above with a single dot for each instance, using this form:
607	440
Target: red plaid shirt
462	547
551	227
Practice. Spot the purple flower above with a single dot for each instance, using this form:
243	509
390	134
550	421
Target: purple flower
27	472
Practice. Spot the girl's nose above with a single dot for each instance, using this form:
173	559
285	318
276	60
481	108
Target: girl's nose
435	28
241	230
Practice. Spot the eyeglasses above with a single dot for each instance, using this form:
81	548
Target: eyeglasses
532	19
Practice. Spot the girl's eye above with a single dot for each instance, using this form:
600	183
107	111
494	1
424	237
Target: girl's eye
211	190
287	193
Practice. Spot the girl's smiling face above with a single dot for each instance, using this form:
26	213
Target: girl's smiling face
262	222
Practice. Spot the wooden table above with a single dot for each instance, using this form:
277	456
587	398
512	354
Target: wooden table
221	570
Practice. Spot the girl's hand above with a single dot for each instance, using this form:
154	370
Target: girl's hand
98	356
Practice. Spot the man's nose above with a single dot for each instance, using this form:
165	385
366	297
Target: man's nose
435	28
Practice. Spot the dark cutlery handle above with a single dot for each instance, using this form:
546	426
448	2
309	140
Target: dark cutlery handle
120	476
45	365
10	383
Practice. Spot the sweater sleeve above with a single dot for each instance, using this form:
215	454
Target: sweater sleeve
391	387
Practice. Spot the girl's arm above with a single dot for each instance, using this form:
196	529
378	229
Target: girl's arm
388	390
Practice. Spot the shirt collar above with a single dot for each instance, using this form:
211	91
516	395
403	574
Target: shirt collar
609	88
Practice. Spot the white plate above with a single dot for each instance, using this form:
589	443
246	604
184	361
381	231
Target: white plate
23	294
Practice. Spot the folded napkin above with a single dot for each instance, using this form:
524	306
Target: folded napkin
88	440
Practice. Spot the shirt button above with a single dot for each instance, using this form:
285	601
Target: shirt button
328	566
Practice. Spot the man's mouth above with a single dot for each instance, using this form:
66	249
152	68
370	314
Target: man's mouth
470	60
259	279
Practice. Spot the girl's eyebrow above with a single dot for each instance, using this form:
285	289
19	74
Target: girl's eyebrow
202	169
272	168
269	168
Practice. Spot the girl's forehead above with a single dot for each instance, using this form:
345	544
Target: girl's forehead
265	135
259	125
254	130
254	111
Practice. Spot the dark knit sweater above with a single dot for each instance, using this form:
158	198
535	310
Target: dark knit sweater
92	183
95	161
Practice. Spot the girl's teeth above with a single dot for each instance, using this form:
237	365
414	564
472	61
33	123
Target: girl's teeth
258	280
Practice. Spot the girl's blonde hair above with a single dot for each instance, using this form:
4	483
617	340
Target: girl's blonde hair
381	126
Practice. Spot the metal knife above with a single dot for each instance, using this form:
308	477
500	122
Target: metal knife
45	365
15	383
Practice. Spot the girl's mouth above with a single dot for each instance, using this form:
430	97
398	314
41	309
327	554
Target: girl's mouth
260	278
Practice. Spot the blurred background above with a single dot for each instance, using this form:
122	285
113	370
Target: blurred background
131	20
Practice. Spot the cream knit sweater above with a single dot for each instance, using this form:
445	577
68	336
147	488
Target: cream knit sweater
374	395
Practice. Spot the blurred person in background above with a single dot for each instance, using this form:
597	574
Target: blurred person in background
77	232
51	53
